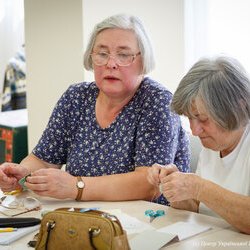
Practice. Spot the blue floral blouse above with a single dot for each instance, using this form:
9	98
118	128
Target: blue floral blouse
145	132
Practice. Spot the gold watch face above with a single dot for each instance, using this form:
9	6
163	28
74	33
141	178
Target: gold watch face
80	184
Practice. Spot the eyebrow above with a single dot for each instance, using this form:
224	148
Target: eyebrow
196	115
101	46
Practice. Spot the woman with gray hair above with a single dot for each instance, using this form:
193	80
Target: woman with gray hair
108	130
215	96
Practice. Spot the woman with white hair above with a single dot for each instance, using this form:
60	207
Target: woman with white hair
108	130
215	96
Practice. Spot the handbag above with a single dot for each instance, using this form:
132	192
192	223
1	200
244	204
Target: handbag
92	229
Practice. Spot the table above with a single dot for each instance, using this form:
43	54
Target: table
221	236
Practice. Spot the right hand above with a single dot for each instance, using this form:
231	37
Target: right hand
10	174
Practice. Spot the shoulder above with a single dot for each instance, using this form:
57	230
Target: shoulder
155	91
80	90
76	94
150	85
81	87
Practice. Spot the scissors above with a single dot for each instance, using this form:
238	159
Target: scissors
154	214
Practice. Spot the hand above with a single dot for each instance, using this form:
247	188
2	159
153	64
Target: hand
157	171
52	182
10	174
180	186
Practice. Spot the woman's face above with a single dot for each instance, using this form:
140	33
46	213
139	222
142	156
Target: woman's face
210	133
114	80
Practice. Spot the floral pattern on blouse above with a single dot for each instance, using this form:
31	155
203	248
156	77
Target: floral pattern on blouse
145	132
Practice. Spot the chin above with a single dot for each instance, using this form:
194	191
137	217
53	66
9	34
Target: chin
209	145
212	147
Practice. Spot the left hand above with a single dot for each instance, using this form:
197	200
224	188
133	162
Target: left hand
52	183
179	186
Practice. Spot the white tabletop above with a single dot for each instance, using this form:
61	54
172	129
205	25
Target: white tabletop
221	235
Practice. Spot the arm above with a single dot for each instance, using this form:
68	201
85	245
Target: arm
233	207
129	186
55	183
33	163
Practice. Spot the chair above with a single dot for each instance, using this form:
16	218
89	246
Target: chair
195	146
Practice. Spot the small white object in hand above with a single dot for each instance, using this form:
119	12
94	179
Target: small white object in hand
160	188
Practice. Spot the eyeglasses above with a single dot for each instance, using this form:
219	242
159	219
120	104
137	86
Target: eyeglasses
121	59
12	206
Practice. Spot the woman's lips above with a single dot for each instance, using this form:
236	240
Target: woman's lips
204	137
111	78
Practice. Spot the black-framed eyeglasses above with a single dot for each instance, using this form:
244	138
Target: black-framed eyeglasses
121	59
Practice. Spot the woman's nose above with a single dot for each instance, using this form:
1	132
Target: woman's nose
195	126
112	62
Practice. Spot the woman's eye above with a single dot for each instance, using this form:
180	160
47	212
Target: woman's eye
123	56
102	54
203	119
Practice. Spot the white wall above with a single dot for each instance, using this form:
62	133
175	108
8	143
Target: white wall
164	21
55	39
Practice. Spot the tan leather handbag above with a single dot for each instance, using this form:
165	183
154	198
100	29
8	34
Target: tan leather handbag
63	229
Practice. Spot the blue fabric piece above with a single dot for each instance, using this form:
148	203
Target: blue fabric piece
152	213
145	132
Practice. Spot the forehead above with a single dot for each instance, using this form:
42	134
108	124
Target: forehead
198	108
116	38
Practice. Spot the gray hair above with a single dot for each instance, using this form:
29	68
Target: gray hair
224	88
125	22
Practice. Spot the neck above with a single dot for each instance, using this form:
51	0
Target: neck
112	104
235	141
107	108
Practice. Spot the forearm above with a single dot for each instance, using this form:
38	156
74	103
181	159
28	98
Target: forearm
33	163
128	186
233	207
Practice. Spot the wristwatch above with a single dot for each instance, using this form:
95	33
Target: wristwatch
80	186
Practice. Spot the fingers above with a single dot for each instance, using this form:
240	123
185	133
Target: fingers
16	170
157	172
180	186
153	174
43	180
51	182
37	183
10	174
8	181
167	170
168	190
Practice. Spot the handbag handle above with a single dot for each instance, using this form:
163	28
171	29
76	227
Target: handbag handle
93	232
50	225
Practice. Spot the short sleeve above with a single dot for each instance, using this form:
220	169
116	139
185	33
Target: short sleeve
54	143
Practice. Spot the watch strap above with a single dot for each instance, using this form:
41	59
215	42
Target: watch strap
79	190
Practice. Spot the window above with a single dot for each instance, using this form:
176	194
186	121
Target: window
215	27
